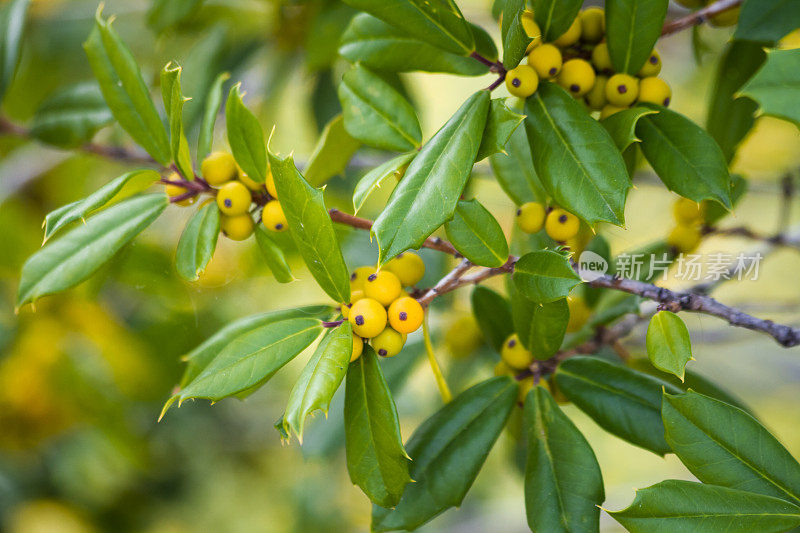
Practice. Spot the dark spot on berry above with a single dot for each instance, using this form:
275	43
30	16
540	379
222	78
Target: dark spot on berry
278	226
382	352
563	219
228	202
666	102
360	320
516	82
653	60
622	89
553	71
400	255
574	87
353	276
512	343
519	212
403	315
372	277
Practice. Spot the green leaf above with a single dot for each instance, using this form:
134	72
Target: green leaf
80	252
515	39
245	136
684	156
311	228
71	116
500	125
376	459
622	126
437	22
273	255
250	359
668	343
213	104
427	195
575	157
776	85
376	114
164	14
447	452
493	314
320	379
373	179
541	327
381	46
514	170
622	401
477	235
334	150
199	358
730	118
172	96
766	21
112	192
124	90
723	445
544	276
632	29
673	505
563	483
554	17
198	242
12	27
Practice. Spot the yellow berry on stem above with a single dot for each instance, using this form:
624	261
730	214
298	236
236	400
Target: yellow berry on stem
571	36
368	318
388	342
546	60
273	217
577	76
593	24
234	198
654	91
408	267
514	354
561	225
406	314
622	90
522	81
530	217
237	227
218	168
382	286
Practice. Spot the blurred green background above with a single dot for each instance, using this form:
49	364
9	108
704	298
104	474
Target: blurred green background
83	378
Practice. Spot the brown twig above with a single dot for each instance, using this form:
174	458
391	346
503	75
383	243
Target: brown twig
779	239
446	284
700	16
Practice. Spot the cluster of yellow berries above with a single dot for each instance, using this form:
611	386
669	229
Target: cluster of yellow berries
379	309
559	224
236	193
689	217
566	61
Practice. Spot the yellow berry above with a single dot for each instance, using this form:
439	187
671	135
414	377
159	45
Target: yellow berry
358	348
561	225
530	217
622	90
522	81
234	198
601	59
726	18
463	336
408	267
593	24
609	110
525	386
388	342
514	354
684	238
406	314
532	30
273	216
176	190
270	183
382	286
687	211
249	183
577	76
502	369
571	36
368	318
596	98
218	168
546	60
578	313
354	297
237	227
654	91
790	41
359	276
652	66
